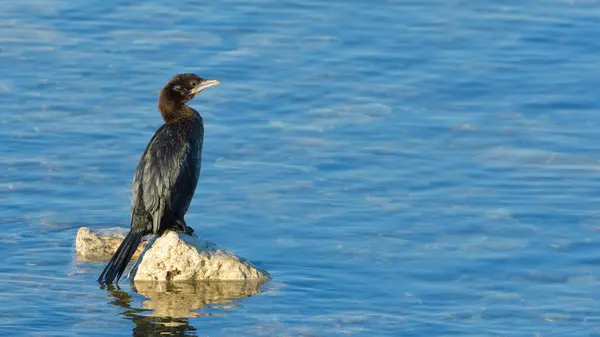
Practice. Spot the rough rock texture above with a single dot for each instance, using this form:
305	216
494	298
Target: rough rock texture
100	246
180	257
173	257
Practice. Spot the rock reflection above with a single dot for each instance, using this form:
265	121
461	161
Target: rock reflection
168	306
182	299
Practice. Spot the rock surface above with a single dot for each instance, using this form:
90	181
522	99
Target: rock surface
100	246
173	257
181	257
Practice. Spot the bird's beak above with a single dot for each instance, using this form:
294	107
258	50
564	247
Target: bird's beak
203	85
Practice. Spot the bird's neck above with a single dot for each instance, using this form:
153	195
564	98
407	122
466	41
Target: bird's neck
175	112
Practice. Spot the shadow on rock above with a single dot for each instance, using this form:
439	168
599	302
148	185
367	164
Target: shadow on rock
167	307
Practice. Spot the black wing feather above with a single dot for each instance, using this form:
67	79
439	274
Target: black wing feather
167	174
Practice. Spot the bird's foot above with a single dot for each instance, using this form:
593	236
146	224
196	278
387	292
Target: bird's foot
189	230
181	226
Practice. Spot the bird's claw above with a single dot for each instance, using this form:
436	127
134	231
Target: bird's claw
189	230
181	226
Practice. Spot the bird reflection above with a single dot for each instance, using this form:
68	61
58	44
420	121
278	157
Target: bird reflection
167	307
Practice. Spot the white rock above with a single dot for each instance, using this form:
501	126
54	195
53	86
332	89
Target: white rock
180	257
100	246
173	257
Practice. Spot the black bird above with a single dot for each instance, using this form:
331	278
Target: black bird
166	176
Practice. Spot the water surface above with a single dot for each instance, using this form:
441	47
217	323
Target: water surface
420	168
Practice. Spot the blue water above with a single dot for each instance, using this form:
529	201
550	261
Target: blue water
414	168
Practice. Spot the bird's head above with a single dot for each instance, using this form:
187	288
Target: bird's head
179	90
183	87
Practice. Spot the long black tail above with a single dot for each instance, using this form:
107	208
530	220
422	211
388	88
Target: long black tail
117	264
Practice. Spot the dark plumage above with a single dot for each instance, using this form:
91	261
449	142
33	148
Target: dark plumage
166	176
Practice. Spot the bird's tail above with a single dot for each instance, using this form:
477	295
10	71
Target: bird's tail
117	264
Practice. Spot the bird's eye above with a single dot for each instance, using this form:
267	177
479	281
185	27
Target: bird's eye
193	84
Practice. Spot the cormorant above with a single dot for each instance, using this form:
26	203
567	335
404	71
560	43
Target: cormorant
166	176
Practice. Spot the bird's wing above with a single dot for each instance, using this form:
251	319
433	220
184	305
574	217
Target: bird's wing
159	180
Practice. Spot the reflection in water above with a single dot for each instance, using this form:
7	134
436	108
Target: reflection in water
168	306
